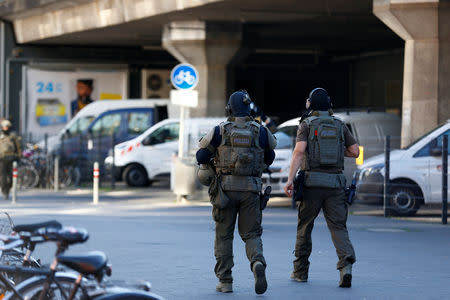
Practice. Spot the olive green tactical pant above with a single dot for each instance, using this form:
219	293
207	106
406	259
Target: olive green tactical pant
246	207
6	175
334	206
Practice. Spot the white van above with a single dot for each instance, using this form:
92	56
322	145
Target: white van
369	129
415	174
149	156
157	109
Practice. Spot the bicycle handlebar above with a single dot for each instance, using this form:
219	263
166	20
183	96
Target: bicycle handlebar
11	245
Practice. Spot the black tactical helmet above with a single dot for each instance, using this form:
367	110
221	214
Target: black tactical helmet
239	104
319	99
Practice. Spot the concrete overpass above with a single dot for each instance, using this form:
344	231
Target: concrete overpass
230	41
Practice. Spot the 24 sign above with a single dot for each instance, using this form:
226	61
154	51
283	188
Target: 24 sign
48	87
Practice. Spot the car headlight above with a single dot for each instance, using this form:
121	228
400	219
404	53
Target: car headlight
370	170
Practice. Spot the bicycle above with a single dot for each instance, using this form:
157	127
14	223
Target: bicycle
50	284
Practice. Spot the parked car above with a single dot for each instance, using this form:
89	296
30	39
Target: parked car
148	157
93	131
369	129
97	116
415	175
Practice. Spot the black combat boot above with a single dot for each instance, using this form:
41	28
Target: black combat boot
299	278
224	287
259	271
346	276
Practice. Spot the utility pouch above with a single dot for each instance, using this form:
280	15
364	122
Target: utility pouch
217	196
324	180
231	183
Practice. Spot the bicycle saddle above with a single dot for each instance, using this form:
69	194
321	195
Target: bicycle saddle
87	264
35	226
68	235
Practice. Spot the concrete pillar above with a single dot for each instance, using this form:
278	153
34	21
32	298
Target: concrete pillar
209	47
425	91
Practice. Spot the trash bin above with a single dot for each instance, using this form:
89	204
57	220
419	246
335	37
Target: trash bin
185	180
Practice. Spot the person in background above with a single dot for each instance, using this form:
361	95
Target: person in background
10	151
259	116
84	91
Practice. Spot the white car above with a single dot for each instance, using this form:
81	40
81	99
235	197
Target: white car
368	128
148	157
415	174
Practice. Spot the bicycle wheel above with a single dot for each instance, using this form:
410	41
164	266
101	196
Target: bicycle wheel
68	176
59	289
28	176
14	257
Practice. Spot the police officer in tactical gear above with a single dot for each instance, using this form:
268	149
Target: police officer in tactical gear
323	141
9	151
240	150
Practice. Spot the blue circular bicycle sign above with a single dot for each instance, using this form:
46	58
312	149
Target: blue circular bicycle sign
184	77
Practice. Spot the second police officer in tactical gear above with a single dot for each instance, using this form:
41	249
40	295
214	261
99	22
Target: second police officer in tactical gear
240	149
323	141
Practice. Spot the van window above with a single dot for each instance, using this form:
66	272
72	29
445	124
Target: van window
420	138
284	141
440	139
289	130
368	133
81	125
138	122
164	134
107	124
436	143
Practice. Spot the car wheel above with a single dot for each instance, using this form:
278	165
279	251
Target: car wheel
135	175
404	200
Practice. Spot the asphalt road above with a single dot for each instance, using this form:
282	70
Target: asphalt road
146	235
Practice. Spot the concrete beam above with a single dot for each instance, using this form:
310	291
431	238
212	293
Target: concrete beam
419	23
93	15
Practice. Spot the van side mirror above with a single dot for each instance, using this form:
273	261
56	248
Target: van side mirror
436	151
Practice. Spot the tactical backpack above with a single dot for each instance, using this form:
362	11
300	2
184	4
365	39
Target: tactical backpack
7	146
239	153
326	144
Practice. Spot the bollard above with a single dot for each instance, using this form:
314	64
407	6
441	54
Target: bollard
444	178
14	182
387	150
96	182
56	174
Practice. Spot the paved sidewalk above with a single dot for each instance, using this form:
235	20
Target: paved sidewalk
151	237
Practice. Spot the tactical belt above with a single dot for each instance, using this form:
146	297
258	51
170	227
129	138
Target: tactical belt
231	183
324	180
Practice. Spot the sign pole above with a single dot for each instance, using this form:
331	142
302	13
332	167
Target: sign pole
184	78
444	178
181	132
